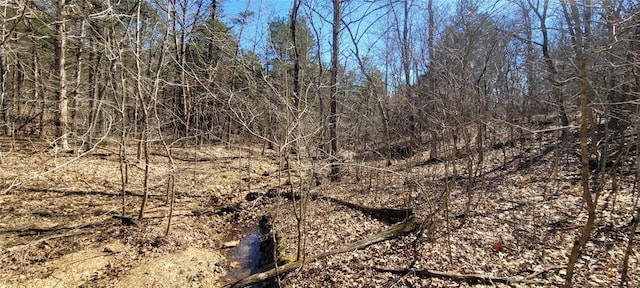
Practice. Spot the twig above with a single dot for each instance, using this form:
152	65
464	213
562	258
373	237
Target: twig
393	282
534	274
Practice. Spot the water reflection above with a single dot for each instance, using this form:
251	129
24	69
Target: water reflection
244	259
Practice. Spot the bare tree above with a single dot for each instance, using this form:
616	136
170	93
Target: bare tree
293	24
141	99
60	66
3	71
575	24
407	59
553	74
431	81
333	106
374	89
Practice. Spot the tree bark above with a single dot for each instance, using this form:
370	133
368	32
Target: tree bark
6	127
61	93
3	94
36	90
78	78
406	68
293	23
145	115
572	17
333	111
92	92
431	79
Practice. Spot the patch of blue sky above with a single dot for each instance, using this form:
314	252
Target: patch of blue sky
249	20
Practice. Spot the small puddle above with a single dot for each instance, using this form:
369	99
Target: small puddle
244	259
253	252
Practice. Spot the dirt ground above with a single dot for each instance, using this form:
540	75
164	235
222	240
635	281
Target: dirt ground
57	224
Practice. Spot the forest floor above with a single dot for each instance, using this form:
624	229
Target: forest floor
57	224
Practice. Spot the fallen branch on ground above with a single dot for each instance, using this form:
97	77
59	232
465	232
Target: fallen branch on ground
386	215
400	229
469	278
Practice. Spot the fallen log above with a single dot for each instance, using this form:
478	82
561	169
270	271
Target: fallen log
400	229
469	278
217	210
386	215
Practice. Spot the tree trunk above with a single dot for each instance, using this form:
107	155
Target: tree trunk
431	79
333	111
181	54
61	93
145	116
78	76
3	94
530	58
92	94
293	23
36	90
575	29
406	68
551	69
386	130
6	127
153	99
